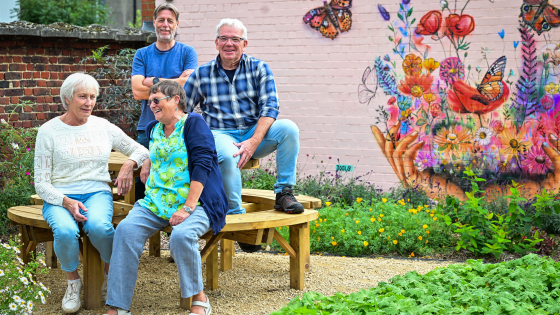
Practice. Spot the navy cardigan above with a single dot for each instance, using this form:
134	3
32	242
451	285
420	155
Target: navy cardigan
203	168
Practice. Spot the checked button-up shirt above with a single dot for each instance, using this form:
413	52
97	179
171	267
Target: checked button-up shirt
233	105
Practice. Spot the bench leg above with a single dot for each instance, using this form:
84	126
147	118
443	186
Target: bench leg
186	303
226	254
299	241
29	246
50	256
212	269
155	244
93	276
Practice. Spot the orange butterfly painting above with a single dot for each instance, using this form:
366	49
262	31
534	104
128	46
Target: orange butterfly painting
330	18
540	15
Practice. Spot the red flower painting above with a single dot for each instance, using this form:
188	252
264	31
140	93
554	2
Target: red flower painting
464	98
430	23
458	25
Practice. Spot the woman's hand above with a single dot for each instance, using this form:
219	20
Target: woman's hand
145	173
125	180
178	217
74	206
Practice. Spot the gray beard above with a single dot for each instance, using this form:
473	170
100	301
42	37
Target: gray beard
167	38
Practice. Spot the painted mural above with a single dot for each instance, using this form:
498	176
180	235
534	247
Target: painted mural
330	18
445	115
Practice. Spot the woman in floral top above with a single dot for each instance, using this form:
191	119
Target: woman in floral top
183	189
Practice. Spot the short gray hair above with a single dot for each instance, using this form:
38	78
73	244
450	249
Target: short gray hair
171	88
77	80
233	23
166	6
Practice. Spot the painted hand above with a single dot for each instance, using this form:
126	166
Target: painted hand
401	155
246	150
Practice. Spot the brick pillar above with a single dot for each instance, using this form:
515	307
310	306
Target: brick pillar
148	7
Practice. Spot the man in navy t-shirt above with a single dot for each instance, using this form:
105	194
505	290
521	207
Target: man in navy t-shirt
165	59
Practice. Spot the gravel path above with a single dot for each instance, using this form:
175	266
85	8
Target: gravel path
258	283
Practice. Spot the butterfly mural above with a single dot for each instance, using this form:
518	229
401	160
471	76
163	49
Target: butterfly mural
368	89
330	18
492	87
540	15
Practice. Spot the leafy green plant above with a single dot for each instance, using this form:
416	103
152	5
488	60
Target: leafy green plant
378	227
75	12
263	177
528	285
116	95
19	292
138	23
16	165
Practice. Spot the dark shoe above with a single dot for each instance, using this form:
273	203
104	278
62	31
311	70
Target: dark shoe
285	201
249	248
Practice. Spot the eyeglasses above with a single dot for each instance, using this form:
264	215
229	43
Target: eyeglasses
155	101
235	40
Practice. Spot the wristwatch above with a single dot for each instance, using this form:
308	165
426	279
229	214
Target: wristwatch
187	209
155	81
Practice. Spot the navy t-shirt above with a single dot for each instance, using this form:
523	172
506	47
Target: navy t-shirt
152	62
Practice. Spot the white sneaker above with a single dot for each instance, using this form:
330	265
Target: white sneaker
120	311
71	302
104	288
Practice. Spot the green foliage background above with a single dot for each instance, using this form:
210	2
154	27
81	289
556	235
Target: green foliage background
75	12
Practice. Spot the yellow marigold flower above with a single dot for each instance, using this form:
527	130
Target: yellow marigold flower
412	254
372	219
407	200
384	200
370	209
432	215
314	231
379	219
381	215
346	213
434	211
357	222
332	237
366	243
358	200
427	232
402	231
333	243
395	242
426	242
425	206
424	226
325	220
381	230
435	218
320	220
400	234
328	203
359	232
420	237
427	211
318	238
388	237
342	231
316	225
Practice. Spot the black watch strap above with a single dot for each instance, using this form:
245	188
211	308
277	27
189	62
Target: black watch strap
155	81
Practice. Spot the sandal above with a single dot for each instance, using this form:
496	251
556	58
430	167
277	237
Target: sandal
120	311
205	305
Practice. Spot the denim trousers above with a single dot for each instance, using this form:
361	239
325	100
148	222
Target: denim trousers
282	137
98	227
132	233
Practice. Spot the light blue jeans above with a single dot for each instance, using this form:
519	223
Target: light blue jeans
283	137
98	227
132	233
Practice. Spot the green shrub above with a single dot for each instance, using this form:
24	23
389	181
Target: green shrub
75	12
16	166
378	227
528	285
19	292
263	177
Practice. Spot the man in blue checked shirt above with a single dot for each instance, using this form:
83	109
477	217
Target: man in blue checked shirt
238	98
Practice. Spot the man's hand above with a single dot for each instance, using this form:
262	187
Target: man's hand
74	206
145	173
246	150
125	180
149	81
178	217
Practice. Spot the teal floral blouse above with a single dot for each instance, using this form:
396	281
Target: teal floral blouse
168	185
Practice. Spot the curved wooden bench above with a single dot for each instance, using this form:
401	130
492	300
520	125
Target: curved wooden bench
256	226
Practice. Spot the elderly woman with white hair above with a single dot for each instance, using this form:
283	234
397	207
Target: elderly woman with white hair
71	176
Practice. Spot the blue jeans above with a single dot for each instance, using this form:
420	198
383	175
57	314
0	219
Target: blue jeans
98	227
283	137
132	233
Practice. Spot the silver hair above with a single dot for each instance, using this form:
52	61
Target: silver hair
233	23
77	80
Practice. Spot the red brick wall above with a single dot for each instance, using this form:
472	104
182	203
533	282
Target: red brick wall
148	7
33	68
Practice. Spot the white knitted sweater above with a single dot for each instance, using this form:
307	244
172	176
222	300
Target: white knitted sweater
68	154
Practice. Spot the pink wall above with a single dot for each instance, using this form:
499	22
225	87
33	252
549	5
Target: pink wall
318	78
